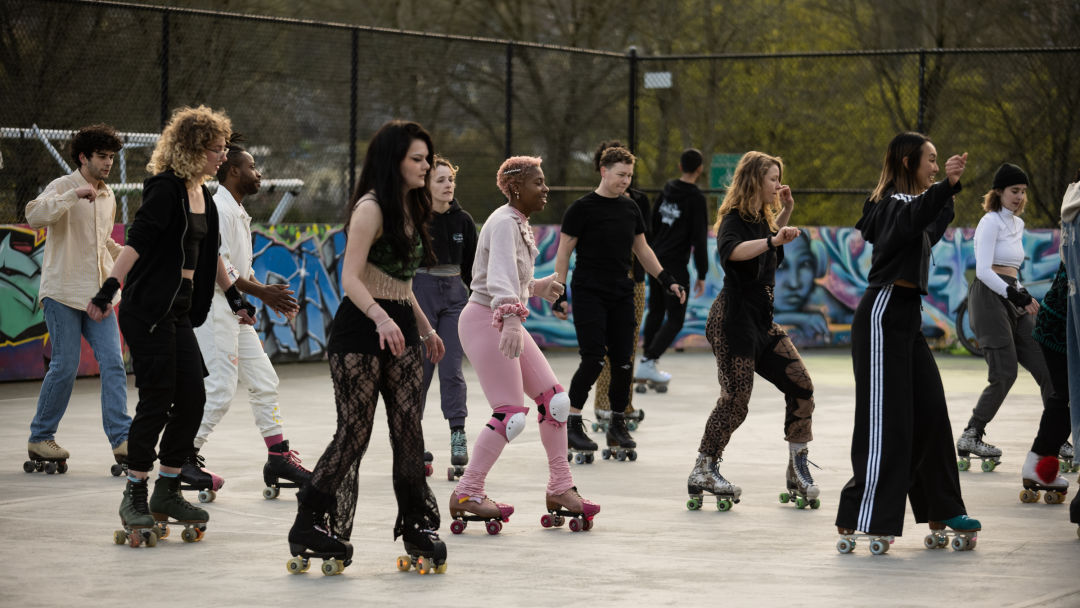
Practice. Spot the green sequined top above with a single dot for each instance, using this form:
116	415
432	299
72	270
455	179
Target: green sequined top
1050	322
382	256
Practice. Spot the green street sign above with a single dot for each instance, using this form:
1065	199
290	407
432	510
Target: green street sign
722	170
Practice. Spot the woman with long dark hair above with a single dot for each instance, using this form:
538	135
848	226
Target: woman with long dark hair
375	349
901	447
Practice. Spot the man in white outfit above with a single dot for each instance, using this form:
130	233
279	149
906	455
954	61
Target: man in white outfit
233	351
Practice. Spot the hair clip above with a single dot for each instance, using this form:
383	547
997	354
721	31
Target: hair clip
509	171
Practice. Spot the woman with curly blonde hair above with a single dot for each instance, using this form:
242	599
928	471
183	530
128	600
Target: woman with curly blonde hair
169	266
751	230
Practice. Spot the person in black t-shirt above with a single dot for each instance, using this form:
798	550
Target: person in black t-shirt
751	229
605	227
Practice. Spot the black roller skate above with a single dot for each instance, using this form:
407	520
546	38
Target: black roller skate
282	463
581	448
310	537
168	506
459	454
429	468
1067	457
620	445
706	477
195	476
425	552
120	456
801	489
633	419
46	456
970	445
139	525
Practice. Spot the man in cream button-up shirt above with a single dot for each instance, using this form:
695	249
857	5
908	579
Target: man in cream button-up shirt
79	211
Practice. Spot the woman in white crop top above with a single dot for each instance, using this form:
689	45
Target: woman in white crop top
1002	312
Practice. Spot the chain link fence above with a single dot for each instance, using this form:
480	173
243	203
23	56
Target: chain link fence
308	96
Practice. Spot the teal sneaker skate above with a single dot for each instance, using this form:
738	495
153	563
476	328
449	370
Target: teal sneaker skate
963	530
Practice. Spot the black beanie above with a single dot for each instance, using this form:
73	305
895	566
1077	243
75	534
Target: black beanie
1009	175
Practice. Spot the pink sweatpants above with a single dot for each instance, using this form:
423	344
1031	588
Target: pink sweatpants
505	382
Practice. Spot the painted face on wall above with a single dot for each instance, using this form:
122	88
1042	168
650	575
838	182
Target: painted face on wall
795	276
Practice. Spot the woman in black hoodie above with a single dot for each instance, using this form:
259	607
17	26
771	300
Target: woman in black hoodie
170	263
902	444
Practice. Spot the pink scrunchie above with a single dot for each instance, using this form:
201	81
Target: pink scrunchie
517	308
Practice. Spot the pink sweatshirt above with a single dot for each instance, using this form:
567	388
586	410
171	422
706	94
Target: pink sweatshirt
503	266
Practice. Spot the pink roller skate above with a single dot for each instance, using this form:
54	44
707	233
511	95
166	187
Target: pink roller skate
569	504
478	508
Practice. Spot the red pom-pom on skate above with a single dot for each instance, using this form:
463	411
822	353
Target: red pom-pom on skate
1047	469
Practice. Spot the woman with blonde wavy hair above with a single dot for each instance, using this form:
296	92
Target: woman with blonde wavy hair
169	266
751	230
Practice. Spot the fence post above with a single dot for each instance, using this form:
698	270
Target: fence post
164	67
922	91
509	99
632	103
353	102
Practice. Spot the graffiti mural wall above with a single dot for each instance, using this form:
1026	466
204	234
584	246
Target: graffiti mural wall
818	287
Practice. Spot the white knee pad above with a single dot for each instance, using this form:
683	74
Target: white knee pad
514	425
559	407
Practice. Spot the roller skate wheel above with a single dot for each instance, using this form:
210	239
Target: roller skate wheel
297	565
428	469
50	468
119	537
800	502
1063	467
784	498
133	539
878	547
270	493
545	520
441	568
723	504
587	525
559	520
620	456
569	458
457	526
661	388
595	427
493	527
589	458
404	563
150	538
424	565
693	504
640	388
161	530
579	458
845	545
815	503
930	541
605	454
331	567
631	425
959	543
575	525
61	467
988	465
189	535
39	466
963	464
632	455
28	466
207	496
1053	498
1029	496
116	470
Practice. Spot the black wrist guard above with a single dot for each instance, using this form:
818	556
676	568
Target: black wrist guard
104	296
557	304
237	301
1019	297
666	279
768	243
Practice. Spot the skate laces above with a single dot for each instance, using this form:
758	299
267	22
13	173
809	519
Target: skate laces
52	444
292	457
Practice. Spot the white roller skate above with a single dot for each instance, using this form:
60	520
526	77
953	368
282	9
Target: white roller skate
705	477
1041	473
971	445
801	489
648	376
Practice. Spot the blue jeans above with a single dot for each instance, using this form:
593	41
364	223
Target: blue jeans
67	326
1070	253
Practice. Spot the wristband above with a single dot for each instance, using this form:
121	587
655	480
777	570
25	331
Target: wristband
559	301
383	322
769	243
237	301
428	335
1019	297
666	278
104	296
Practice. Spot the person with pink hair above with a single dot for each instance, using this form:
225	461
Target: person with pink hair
507	361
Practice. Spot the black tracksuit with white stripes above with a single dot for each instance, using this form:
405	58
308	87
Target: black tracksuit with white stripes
902	444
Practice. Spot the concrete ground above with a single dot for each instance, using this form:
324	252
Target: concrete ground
646	548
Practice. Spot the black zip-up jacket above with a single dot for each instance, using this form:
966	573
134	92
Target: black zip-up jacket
680	221
157	234
903	228
453	239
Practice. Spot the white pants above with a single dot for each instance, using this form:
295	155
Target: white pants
232	351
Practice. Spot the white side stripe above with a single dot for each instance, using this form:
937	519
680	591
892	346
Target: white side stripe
877	381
